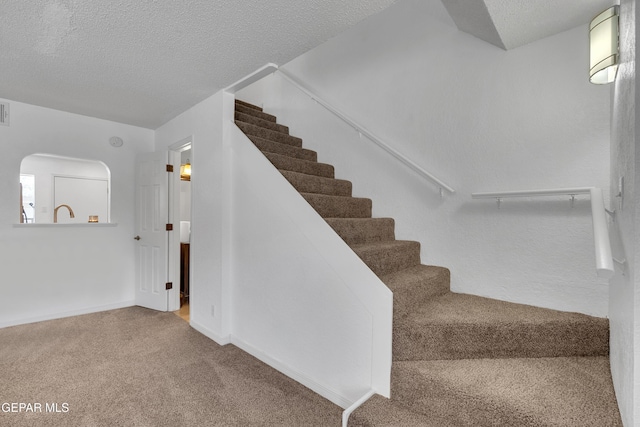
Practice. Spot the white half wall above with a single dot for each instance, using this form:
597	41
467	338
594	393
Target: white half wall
55	271
479	118
303	301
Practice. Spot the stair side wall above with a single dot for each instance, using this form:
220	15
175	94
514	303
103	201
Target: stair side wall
302	301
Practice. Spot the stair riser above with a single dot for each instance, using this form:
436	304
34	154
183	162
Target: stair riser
383	262
283	149
339	207
476	341
256	113
354	231
261	123
313	184
412	289
271	135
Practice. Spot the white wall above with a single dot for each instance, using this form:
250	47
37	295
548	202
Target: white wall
208	298
478	117
624	300
54	271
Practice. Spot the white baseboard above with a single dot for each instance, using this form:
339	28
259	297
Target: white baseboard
60	315
300	377
220	339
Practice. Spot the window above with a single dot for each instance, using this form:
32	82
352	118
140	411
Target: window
28	197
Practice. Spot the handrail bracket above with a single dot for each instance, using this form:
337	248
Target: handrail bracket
604	258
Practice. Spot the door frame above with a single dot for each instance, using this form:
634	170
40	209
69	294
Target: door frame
175	151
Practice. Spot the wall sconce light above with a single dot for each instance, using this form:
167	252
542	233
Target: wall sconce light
603	41
185	171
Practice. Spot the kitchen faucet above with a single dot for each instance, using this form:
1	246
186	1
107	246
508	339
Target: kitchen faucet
55	213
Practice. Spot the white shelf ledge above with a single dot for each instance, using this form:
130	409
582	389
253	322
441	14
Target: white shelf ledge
72	225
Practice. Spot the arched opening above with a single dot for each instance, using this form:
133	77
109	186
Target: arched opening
57	189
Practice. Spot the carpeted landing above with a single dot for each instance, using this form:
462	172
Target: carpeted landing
459	360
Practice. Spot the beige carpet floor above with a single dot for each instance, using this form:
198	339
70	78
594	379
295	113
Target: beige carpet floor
138	367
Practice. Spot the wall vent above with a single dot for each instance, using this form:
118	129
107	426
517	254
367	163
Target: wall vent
4	113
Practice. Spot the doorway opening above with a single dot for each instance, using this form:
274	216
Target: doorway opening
181	155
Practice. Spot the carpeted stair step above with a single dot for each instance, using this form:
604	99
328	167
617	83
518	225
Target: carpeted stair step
363	230
317	184
388	257
248	105
298	165
575	391
459	360
246	118
460	326
339	206
252	111
274	147
269	134
413	287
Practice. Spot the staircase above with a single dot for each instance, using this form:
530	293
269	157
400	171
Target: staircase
459	360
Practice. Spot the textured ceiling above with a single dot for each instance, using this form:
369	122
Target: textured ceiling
143	62
512	23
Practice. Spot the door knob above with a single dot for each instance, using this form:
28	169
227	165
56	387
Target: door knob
137	238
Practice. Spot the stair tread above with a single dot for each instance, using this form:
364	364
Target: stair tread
327	196
317	184
269	134
257	113
300	165
388	256
465	308
257	121
339	206
248	104
460	326
383	245
275	147
414	286
487	392
363	230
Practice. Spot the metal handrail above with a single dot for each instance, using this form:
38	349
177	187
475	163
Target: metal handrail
602	243
370	135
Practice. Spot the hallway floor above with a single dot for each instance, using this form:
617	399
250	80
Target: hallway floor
183	312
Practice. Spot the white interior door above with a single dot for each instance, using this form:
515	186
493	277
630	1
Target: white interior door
152	238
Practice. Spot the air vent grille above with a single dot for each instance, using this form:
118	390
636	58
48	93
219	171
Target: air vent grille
4	114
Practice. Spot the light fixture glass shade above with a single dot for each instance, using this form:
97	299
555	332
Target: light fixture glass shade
603	52
185	171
